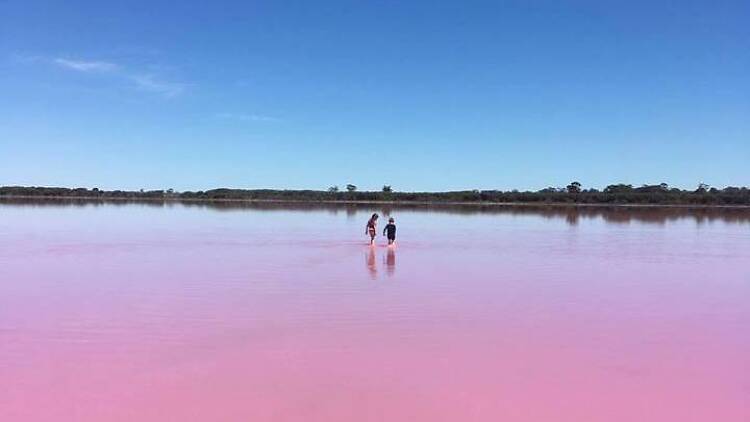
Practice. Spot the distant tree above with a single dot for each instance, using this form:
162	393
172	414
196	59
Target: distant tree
333	189
652	188
702	187
351	188
387	189
574	187
170	191
621	188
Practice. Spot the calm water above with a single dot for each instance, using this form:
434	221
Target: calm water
133	312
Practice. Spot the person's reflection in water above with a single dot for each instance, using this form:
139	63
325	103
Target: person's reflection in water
370	261
390	261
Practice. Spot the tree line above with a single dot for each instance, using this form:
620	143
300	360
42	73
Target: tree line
573	193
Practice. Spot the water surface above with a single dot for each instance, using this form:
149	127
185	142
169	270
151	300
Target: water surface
232	312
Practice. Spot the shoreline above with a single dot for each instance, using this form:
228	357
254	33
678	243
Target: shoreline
378	202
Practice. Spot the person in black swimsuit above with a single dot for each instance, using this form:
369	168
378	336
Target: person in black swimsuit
371	227
390	229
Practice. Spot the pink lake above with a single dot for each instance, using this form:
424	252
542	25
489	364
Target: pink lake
152	312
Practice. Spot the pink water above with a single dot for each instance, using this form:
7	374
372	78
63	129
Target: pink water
193	313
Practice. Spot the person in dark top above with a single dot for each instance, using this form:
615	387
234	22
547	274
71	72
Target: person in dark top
371	227
390	229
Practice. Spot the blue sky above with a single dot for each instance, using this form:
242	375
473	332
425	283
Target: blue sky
421	95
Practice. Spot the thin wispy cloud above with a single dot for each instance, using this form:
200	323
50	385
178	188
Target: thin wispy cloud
243	117
152	84
143	80
86	66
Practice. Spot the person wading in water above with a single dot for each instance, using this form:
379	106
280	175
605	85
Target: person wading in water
390	228
371	228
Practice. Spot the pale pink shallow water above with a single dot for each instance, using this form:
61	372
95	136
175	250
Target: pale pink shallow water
190	313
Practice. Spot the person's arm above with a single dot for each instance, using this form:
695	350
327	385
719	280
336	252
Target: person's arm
384	229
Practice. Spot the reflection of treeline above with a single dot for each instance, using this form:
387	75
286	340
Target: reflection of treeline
572	194
571	213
